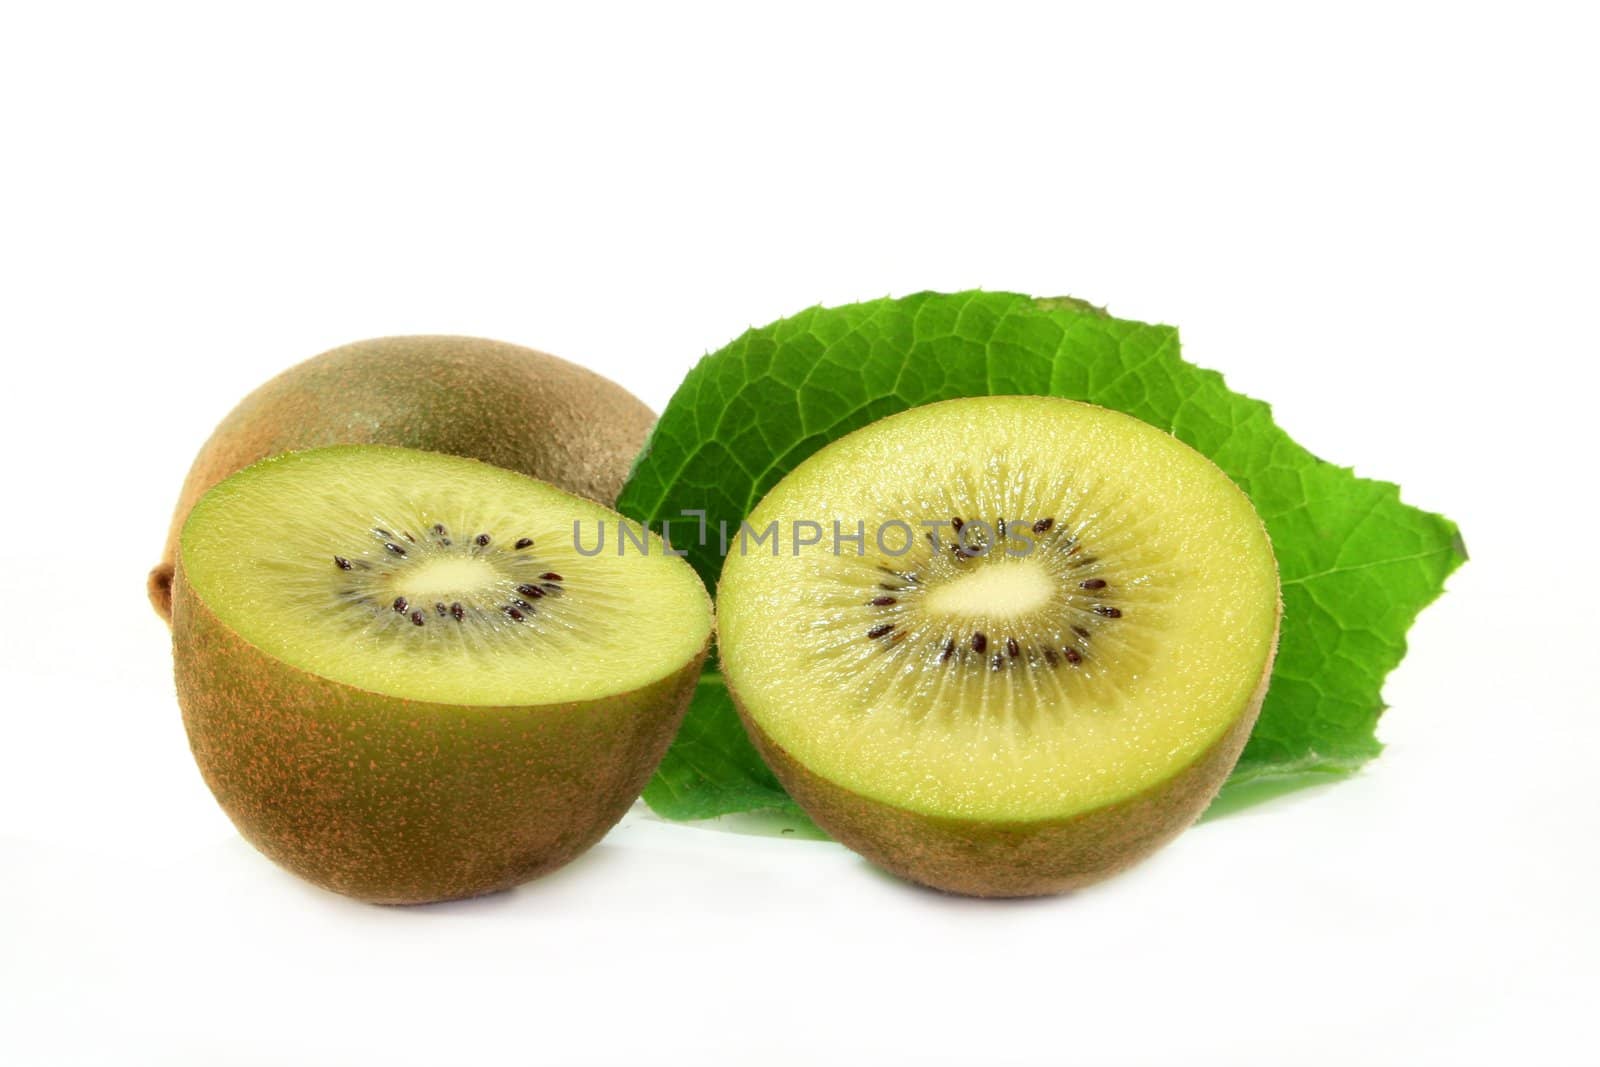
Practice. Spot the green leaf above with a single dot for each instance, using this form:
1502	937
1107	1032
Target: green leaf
1357	565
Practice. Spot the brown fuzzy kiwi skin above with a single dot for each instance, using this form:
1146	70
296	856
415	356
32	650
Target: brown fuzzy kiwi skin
500	403
1020	859
397	801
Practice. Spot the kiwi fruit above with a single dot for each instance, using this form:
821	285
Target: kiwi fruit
507	405
406	677
1024	651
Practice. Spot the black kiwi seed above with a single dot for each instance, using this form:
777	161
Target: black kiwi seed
458	611
1108	611
1012	648
998	662
881	601
552	576
407	535
979	642
524	542
392	547
956	524
400	605
482	540
514	613
439	529
1092	583
416	618
522	603
1081	632
441	609
1050	657
1000	529
881	630
342	563
1043	526
948	650
530	590
385	534
1074	657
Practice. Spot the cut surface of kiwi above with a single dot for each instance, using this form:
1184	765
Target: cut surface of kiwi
404	680
430	578
1031	656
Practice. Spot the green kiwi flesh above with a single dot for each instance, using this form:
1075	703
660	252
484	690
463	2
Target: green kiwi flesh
404	682
1037	666
504	404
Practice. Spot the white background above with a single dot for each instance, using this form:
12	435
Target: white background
1381	219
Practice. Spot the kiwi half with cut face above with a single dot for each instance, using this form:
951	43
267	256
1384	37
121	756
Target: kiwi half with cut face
403	681
504	404
1031	658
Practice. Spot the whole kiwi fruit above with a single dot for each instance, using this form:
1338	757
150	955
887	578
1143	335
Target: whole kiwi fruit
511	406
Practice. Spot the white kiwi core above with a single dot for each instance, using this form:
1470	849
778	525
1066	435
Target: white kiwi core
1003	590
446	577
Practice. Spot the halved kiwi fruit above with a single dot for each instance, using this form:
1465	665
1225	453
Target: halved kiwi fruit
1025	650
507	405
404	681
